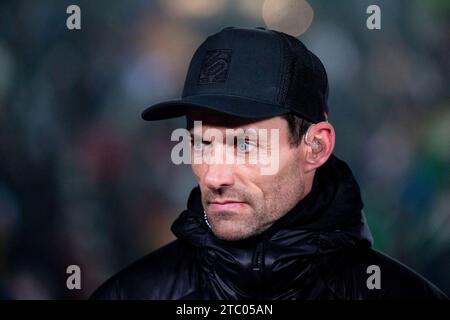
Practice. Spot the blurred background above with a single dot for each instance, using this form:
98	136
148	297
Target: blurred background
85	181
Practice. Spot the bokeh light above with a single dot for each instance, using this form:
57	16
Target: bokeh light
290	16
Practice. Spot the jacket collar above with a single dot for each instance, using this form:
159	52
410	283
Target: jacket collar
280	261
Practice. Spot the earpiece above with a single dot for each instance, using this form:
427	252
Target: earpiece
317	147
315	144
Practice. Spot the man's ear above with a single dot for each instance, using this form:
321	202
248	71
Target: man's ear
318	145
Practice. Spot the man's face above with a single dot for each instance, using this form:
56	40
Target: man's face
240	201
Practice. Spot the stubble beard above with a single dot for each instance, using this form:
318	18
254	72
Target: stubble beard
257	216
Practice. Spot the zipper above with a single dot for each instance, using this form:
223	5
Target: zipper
258	256
258	267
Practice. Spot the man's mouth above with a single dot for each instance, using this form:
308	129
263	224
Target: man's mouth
225	205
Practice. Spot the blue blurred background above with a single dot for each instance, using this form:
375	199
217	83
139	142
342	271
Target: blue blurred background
85	181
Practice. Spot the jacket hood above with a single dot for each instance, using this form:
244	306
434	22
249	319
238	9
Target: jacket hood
281	262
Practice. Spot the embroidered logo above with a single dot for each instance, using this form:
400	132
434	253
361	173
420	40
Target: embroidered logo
215	66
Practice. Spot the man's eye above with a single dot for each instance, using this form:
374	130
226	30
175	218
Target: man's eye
198	145
245	146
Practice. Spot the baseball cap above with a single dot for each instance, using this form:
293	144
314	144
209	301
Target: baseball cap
251	73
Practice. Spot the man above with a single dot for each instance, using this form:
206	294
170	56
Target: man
295	232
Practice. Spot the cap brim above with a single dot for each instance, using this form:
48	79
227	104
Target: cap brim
232	105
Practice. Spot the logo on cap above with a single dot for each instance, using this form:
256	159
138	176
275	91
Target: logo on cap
215	66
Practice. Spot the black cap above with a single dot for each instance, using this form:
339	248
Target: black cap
251	73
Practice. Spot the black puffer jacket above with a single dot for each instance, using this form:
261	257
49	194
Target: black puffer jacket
321	249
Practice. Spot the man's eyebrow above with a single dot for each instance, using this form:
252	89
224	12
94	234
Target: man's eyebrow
242	131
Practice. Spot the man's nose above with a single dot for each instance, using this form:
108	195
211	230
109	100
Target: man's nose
219	176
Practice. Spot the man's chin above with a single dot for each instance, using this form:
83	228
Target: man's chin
229	231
